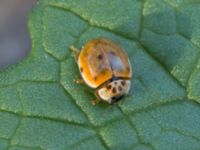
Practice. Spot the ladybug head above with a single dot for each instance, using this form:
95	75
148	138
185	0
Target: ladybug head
114	90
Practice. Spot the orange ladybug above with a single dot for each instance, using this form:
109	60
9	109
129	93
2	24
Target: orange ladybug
105	67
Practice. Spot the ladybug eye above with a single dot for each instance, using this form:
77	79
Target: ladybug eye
113	99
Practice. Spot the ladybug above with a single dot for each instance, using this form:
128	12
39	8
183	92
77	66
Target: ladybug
105	67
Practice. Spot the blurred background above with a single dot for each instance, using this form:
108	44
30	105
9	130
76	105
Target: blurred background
15	41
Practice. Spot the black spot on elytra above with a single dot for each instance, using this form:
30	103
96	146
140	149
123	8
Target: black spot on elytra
95	78
115	83
100	57
103	72
114	90
81	69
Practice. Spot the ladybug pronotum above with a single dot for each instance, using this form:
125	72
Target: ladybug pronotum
105	67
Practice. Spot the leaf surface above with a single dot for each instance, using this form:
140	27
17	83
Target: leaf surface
42	108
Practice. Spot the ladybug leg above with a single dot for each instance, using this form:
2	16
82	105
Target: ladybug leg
97	100
79	81
75	52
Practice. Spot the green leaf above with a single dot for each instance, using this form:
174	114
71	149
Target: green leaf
42	108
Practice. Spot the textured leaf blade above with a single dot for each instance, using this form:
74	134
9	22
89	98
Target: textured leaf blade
41	107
